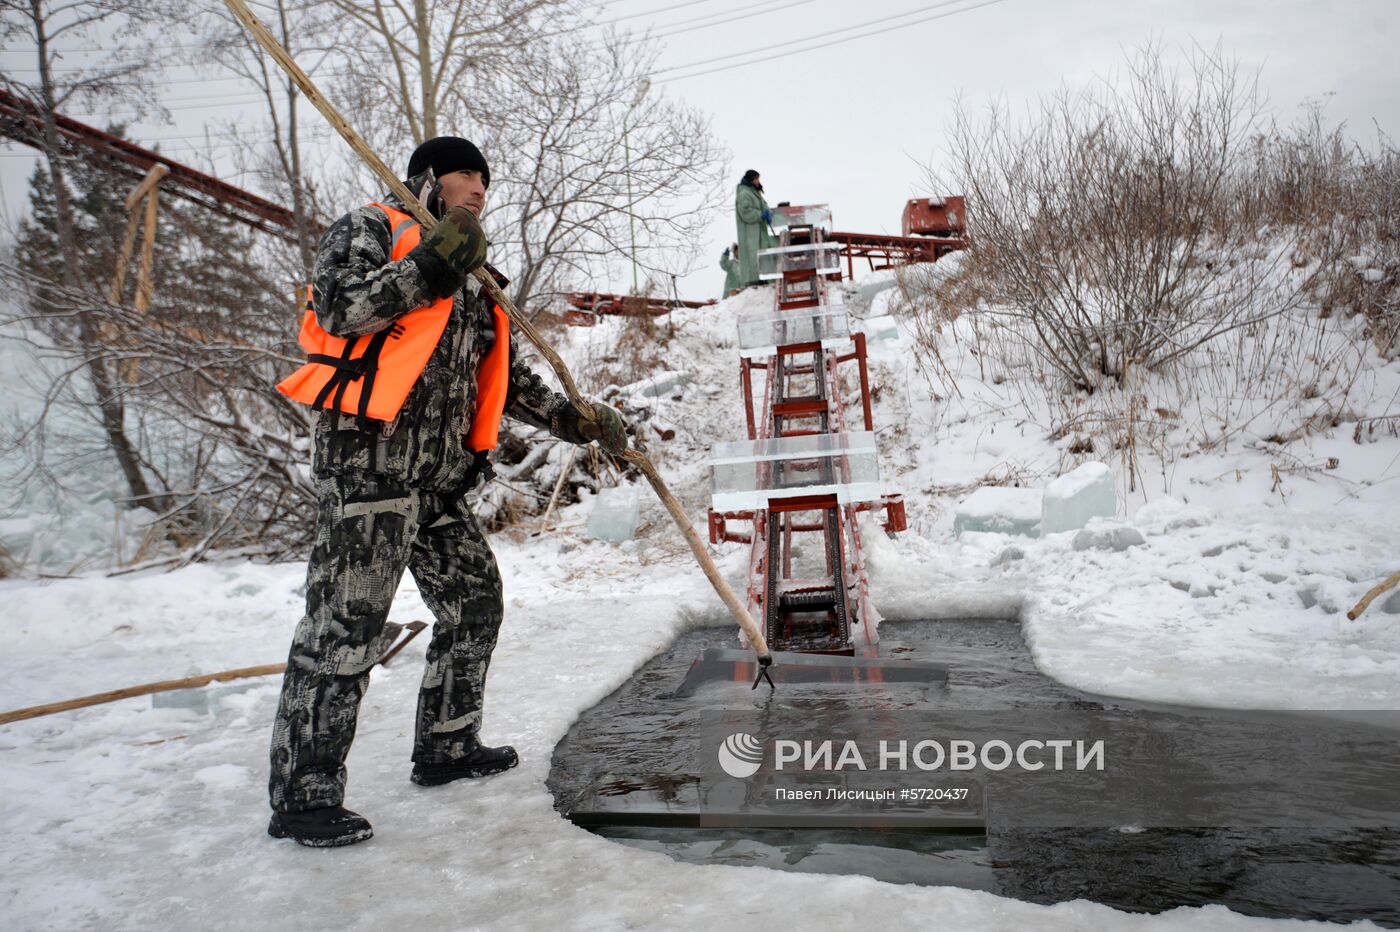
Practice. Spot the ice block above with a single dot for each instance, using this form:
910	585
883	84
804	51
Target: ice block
822	258
1071	500
616	514
762	334
748	474
998	509
802	215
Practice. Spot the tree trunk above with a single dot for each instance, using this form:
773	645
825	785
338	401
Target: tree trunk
423	33
108	402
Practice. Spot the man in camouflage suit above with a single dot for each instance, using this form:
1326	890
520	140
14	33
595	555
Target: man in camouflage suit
390	497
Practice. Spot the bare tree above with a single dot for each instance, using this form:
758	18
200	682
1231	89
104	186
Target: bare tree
587	160
195	371
1153	265
308	31
596	169
422	65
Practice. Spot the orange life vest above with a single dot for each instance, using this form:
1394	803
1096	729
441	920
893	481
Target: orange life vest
371	375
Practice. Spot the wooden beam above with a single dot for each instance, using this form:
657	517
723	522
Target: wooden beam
147	185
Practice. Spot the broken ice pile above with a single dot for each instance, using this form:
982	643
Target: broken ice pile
1071	500
616	513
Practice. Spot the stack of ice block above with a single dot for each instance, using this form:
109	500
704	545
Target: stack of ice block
616	514
822	258
760	335
807	215
750	473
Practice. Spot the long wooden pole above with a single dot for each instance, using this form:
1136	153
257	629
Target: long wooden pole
391	631
189	682
1390	582
566	379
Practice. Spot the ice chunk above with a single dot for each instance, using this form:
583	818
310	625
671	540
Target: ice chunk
802	215
999	510
616	514
659	385
881	328
822	258
1009	555
865	294
1113	537
1071	500
761	334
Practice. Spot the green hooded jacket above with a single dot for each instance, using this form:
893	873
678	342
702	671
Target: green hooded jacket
730	263
754	234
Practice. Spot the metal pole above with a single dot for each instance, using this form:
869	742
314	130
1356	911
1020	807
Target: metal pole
631	204
642	87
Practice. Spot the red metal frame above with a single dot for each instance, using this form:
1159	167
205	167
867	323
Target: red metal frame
892	250
22	121
588	306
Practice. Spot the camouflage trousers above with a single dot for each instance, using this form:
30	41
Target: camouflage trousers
369	528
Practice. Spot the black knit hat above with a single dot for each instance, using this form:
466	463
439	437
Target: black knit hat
449	154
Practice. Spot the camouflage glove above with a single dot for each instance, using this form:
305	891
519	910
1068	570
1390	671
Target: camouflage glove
610	430
458	240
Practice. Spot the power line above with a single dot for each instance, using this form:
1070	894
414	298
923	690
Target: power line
723	18
822	45
664	9
820	35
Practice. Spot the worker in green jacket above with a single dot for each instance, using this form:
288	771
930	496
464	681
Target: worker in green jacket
729	261
753	216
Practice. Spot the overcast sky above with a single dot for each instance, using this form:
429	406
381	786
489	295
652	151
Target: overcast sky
854	123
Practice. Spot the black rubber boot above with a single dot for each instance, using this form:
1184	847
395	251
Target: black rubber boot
480	762
331	827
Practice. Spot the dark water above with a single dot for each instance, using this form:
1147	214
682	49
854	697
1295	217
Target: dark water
627	744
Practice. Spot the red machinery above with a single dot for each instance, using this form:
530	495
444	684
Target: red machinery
933	227
934	216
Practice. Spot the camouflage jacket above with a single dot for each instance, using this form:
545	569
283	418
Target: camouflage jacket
358	290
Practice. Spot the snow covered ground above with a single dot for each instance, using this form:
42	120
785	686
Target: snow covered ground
129	815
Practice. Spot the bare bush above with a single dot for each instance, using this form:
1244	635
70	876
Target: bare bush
1155	267
1111	219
